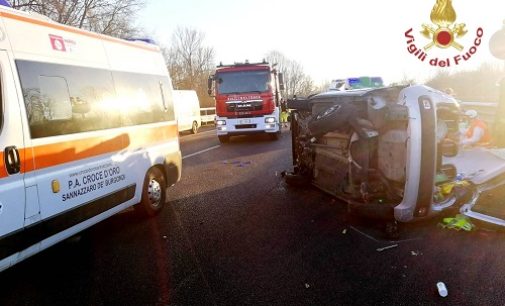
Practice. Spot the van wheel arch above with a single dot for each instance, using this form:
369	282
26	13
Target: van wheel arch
154	192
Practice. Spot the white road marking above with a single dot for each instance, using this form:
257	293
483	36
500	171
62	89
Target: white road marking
200	152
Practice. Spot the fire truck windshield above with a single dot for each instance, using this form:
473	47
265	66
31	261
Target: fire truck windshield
243	81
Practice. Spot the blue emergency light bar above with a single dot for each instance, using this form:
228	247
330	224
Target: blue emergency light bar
146	40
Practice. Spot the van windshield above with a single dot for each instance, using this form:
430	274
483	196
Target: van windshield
243	81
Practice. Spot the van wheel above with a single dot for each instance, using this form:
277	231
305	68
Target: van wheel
153	193
194	128
224	138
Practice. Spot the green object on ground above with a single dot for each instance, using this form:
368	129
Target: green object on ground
460	222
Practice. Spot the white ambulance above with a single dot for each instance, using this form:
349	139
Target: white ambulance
87	129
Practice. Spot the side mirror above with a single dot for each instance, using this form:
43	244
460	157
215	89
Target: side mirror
210	82
449	148
281	81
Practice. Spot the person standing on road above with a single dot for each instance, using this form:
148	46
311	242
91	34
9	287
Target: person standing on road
477	133
284	114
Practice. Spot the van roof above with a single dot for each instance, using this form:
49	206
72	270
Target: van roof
41	20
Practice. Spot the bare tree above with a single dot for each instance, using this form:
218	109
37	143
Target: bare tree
297	83
111	17
190	62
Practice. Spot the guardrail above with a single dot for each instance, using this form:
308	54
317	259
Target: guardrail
207	115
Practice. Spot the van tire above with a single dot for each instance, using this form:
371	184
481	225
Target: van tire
194	127
224	138
153	193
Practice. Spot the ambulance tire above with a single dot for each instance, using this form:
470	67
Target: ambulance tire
153	193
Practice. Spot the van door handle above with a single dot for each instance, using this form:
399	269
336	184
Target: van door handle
11	159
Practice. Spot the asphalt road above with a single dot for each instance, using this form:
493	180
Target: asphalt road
235	234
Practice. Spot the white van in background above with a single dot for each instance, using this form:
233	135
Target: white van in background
187	110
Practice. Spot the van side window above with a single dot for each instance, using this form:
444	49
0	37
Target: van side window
54	93
64	99
140	98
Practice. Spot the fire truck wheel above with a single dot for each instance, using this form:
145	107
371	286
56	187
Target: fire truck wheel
194	128
224	138
153	193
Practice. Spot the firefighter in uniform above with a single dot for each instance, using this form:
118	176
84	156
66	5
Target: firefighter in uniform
477	133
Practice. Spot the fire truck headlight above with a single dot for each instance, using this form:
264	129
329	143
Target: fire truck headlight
221	122
270	120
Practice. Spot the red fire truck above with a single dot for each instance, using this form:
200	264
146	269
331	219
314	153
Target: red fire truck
248	97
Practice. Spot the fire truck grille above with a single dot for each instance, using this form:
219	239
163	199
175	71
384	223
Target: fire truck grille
245	126
244	106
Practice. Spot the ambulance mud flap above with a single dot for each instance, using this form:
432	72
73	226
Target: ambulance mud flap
428	156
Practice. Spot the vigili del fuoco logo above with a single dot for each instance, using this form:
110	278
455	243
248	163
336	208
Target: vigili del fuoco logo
443	33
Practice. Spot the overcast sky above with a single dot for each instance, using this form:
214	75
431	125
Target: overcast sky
331	39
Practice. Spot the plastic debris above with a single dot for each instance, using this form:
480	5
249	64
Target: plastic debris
344	231
165	237
414	253
307	285
442	289
387	247
460	222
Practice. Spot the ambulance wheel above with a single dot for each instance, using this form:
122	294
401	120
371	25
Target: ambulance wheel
224	138
153	193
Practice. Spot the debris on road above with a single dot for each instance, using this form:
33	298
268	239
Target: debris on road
307	286
344	231
460	222
415	253
165	237
387	247
442	289
239	163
